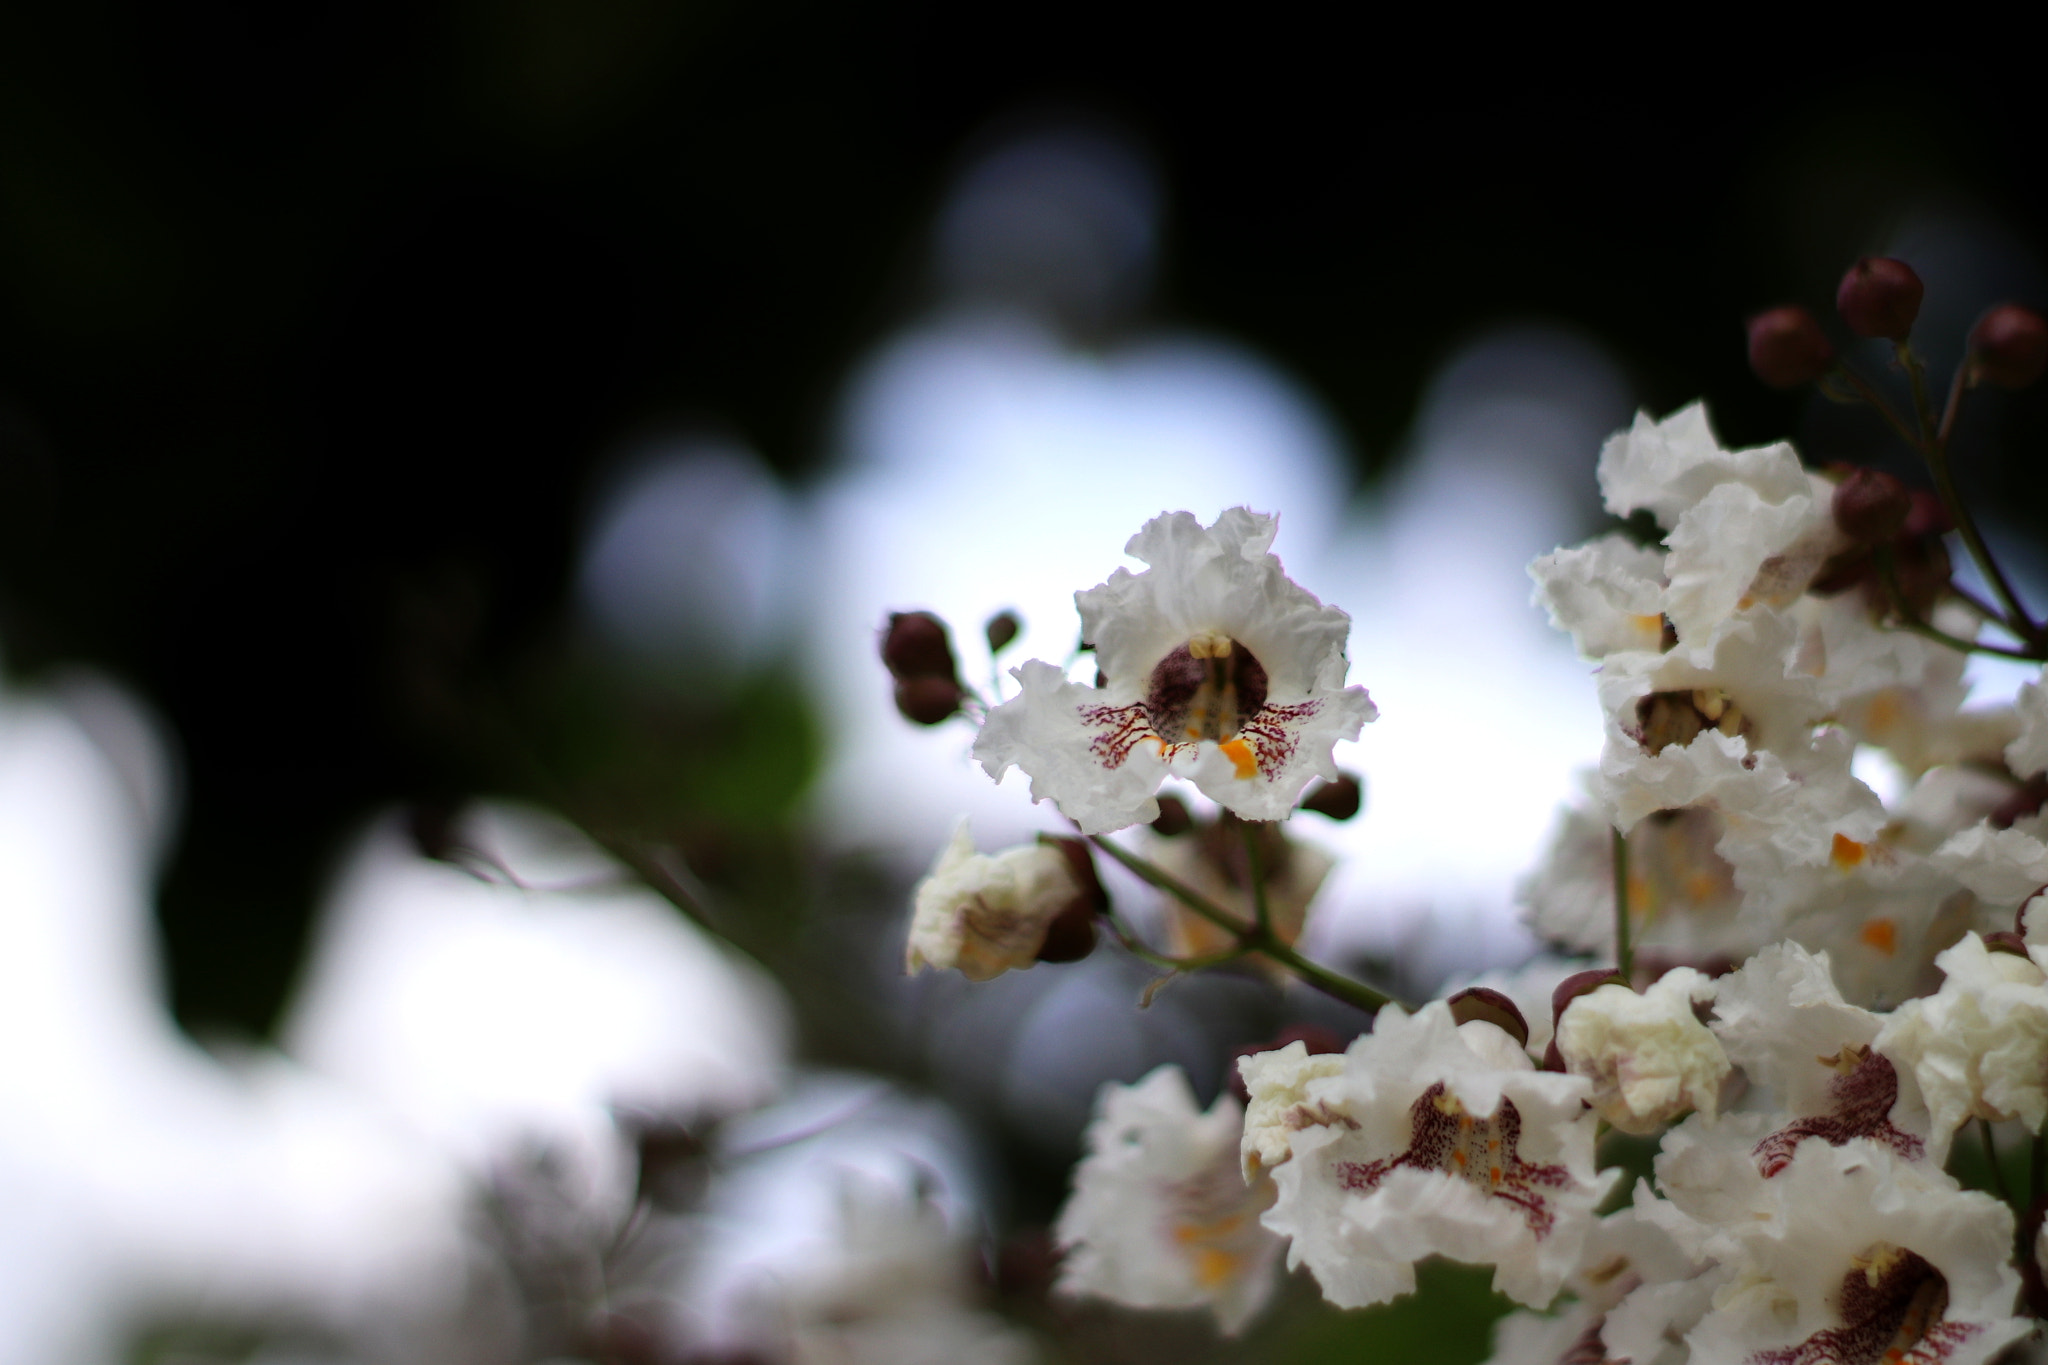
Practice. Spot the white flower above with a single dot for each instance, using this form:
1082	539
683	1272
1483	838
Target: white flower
1978	1047
1212	859
890	1289
1744	527
1608	594
1160	1216
1277	1082
1637	1292
2028	752
1864	1258
1215	666
2004	866
1784	1022
1683	904
985	915
1649	1057
1434	1139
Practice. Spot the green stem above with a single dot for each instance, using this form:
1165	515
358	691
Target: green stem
2037	1167
1251	937
1887	573
1624	955
1923	406
1878	401
2016	618
1991	1155
1138	948
1257	874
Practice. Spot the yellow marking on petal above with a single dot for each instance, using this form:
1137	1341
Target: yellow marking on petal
1213	1266
1241	757
1652	624
1701	886
1882	935
1494	1172
1459	1158
1846	852
1885	710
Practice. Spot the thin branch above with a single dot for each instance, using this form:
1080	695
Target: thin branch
1257	874
1251	936
1624	956
1870	395
1887	572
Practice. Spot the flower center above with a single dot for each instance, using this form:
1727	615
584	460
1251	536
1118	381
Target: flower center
1891	1302
1667	718
1206	689
1484	1153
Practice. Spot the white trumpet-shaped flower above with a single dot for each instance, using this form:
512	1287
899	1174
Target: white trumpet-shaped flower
1160	1217
1434	1138
1215	667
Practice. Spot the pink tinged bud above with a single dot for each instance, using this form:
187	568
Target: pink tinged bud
1871	506
1478	1004
1001	629
1339	800
2009	347
1787	349
927	700
1880	297
915	644
1173	816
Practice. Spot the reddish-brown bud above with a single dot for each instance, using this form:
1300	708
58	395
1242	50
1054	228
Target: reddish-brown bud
1001	629
1173	816
1871	506
1568	990
915	644
1928	517
927	700
1787	349
2007	941
1880	297
1339	800
1478	1004
2009	347
1071	935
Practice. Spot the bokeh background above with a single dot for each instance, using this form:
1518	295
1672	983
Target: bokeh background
542	400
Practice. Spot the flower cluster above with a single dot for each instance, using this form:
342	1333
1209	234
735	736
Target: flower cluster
1801	992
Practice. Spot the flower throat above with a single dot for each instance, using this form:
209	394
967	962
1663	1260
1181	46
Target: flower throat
1207	689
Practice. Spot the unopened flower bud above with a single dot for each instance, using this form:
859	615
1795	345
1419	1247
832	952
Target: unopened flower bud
1880	297
1568	990
927	700
2007	941
1649	1057
915	644
1173	816
1871	506
1484	1005
1071	934
1339	800
1001	629
1928	516
2009	347
1787	349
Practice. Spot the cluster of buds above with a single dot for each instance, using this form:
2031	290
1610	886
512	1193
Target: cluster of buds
1879	515
917	649
1879	299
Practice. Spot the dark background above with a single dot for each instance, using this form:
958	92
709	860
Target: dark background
315	325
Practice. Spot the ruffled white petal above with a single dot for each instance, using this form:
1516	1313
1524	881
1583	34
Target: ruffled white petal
1160	1217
